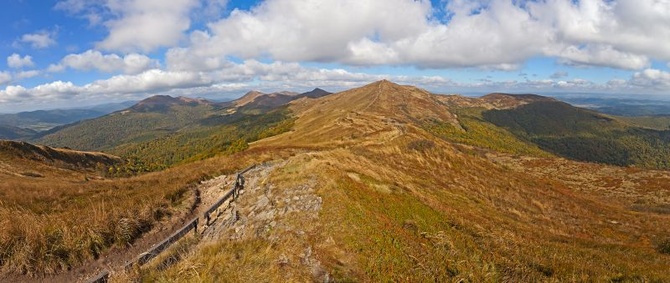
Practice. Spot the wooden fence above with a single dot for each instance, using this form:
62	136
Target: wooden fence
160	247
154	251
233	192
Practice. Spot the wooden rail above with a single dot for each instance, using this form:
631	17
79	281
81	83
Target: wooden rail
160	247
154	251
233	192
102	277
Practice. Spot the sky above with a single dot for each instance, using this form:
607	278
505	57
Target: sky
73	53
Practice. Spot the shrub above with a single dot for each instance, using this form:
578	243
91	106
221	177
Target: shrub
421	145
664	246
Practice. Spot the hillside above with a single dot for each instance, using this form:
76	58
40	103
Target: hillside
584	135
23	162
31	122
59	210
362	190
15	133
659	122
263	101
19	152
378	183
161	131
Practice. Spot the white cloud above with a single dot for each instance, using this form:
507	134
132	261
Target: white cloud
16	61
236	78
132	63
183	59
496	34
13	93
73	6
39	40
626	32
150	81
27	74
309	30
212	9
604	56
5	77
93	11
145	25
652	79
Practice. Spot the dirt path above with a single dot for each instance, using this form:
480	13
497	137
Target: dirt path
274	212
263	210
116	258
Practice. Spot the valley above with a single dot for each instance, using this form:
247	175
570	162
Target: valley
383	182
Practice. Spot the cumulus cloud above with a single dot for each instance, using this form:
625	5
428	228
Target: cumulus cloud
632	26
5	77
27	74
145	25
16	61
132	63
308	30
211	9
38	40
148	82
497	34
652	78
235	77
601	55
493	34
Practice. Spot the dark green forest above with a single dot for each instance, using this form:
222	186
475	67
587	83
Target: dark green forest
155	139
584	135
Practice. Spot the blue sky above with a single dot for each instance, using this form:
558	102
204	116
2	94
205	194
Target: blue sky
69	53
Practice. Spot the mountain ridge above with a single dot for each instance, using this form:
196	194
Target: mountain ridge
59	157
371	183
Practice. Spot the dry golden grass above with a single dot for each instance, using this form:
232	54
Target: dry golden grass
395	211
444	214
63	218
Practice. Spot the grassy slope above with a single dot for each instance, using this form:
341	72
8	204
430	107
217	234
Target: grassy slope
584	135
42	208
384	219
476	131
123	127
181	133
394	211
11	132
660	123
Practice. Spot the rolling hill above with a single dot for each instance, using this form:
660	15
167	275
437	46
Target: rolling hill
585	135
24	162
379	183
161	130
26	125
15	133
400	201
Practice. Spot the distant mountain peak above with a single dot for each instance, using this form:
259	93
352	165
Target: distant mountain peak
506	100
371	112
248	98
383	83
315	93
160	103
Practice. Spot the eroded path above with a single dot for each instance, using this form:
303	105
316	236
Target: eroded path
278	211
